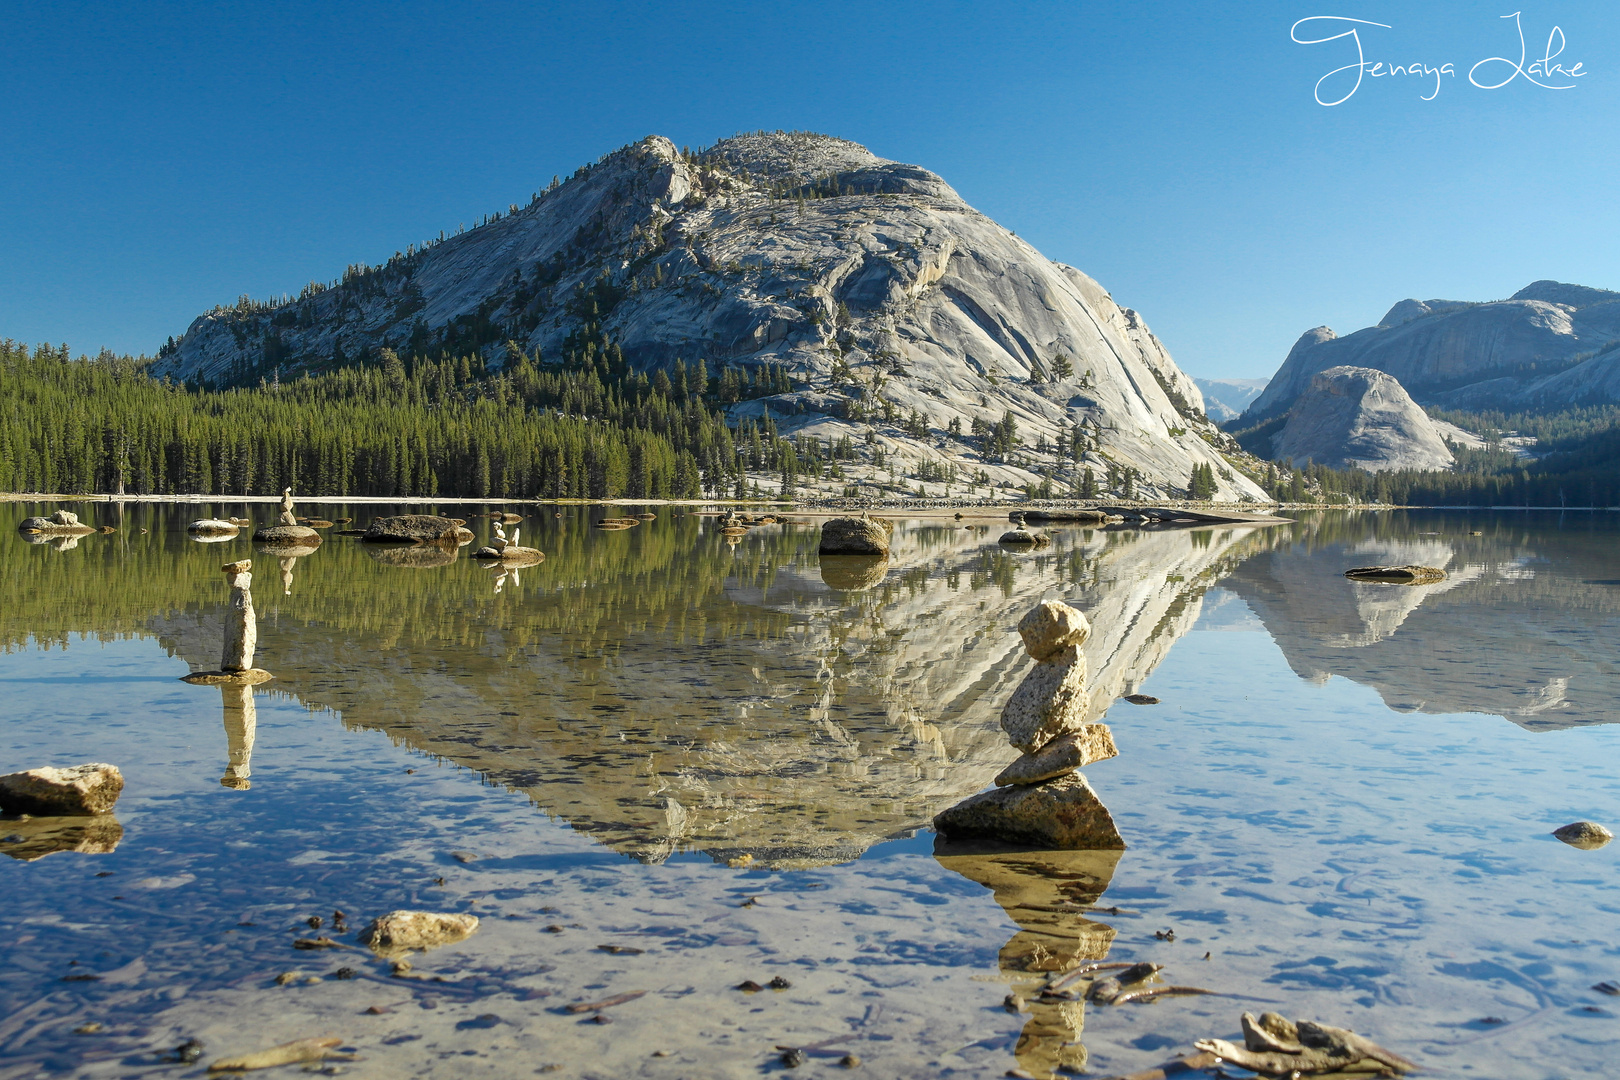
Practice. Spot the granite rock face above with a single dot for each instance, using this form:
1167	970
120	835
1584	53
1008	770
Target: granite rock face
855	536
1359	418
1059	814
1051	701
865	280
1542	347
81	789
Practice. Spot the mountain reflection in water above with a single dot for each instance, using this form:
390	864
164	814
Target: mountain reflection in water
1523	626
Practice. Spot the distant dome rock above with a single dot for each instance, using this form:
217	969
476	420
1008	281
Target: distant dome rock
1358	418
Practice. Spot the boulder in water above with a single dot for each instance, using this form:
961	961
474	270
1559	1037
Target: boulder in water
1059	814
855	536
414	529
288	536
1586	835
51	792
213	527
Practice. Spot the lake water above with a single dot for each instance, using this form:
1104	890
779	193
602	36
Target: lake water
657	740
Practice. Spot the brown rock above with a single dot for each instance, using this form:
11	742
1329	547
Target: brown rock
1062	814
299	535
1396	575
402	931
411	529
1586	835
1052	627
1061	756
81	789
855	536
1051	701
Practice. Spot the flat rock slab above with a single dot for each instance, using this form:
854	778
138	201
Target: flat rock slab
1062	814
1061	756
213	527
49	792
403	931
511	555
1021	537
411	529
245	677
855	536
301	535
1397	575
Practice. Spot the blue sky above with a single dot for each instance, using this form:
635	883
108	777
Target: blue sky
161	158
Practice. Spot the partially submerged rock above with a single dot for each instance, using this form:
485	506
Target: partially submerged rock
1065	517
79	789
60	523
1061	756
1586	835
512	553
288	536
415	529
213	527
855	536
1396	575
1051	701
321	1049
1060	814
1022	537
403	931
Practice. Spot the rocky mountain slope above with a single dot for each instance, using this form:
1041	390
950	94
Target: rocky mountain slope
867	287
1551	345
1358	418
1225	399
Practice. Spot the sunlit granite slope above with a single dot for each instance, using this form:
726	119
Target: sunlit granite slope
861	280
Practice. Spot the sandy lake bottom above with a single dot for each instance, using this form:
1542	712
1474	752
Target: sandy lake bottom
659	762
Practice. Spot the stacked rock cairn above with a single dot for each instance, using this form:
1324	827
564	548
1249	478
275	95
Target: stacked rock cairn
1041	800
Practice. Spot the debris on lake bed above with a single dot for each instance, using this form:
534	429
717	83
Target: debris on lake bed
293	1053
1275	1046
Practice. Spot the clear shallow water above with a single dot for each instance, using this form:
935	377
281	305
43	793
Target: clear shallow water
1344	798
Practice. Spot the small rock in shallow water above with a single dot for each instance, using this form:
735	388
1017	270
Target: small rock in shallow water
793	1058
1610	988
1013	1003
749	986
399	931
1586	835
288	977
484	1020
850	1061
779	983
78	790
1141	699
345	973
91	1028
189	1051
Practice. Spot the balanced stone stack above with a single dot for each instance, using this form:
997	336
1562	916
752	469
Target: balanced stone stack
1041	799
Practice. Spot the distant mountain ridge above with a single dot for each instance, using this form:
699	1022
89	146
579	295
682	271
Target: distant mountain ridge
866	286
1551	345
1225	399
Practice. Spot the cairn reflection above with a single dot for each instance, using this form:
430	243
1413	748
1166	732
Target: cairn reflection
1047	894
237	676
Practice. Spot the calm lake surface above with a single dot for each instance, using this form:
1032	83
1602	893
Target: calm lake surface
726	756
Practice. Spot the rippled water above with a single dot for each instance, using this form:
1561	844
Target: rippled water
660	741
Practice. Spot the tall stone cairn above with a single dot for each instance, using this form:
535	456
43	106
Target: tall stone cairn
1041	800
